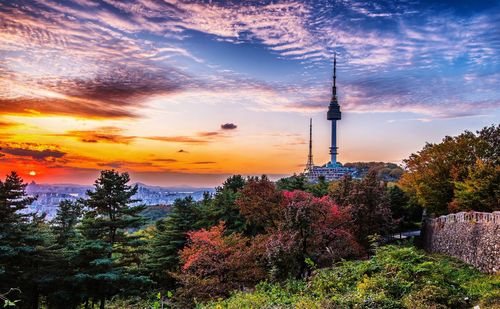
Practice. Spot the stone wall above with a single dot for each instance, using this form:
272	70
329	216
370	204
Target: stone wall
473	237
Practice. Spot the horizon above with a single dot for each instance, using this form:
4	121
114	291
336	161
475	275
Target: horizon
187	93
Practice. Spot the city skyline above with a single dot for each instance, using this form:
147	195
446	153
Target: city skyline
189	92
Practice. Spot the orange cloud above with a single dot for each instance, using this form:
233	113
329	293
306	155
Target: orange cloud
31	106
7	124
32	150
102	134
178	139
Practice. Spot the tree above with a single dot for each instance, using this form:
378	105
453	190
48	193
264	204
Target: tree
259	202
300	182
369	206
480	191
320	188
222	206
385	171
63	225
341	189
434	174
398	201
22	242
405	213
310	228
169	238
292	183
109	258
213	264
59	288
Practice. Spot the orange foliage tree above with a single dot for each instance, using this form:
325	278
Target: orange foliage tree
214	264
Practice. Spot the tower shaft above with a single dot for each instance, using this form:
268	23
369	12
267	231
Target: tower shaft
333	147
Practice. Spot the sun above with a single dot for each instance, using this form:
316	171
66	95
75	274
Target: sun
32	173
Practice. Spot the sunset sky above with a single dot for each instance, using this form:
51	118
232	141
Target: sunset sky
188	92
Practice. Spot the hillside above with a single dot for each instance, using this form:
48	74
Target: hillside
396	277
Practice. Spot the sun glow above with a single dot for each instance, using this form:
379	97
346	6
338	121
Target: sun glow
32	173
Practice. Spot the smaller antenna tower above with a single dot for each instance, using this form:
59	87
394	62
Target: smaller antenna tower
310	164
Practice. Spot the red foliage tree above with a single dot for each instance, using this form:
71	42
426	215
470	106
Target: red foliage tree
213	265
260	204
310	227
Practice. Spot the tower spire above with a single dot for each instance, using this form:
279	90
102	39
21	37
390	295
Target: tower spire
310	164
334	87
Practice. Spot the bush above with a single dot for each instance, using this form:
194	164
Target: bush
395	277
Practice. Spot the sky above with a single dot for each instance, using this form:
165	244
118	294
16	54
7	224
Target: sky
188	92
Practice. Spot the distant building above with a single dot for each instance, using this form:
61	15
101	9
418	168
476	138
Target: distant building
332	170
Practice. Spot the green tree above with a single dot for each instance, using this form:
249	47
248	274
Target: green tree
320	188
22	242
169	237
480	190
405	213
109	257
295	182
59	287
222	206
63	225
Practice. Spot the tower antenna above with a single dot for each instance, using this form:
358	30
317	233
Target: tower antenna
334	86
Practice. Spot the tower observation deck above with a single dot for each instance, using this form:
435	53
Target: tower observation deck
332	170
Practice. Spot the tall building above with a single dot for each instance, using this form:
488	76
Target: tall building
332	170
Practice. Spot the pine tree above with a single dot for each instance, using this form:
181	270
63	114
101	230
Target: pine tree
109	256
169	238
21	242
222	206
60	288
63	225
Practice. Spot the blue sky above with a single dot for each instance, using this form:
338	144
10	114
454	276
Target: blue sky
131	82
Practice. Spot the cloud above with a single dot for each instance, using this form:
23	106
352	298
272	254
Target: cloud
104	60
178	139
102	134
31	106
167	160
199	138
117	93
228	126
7	124
203	162
61	60
210	133
31	150
125	164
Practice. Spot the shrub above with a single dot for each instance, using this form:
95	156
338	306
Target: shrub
395	277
